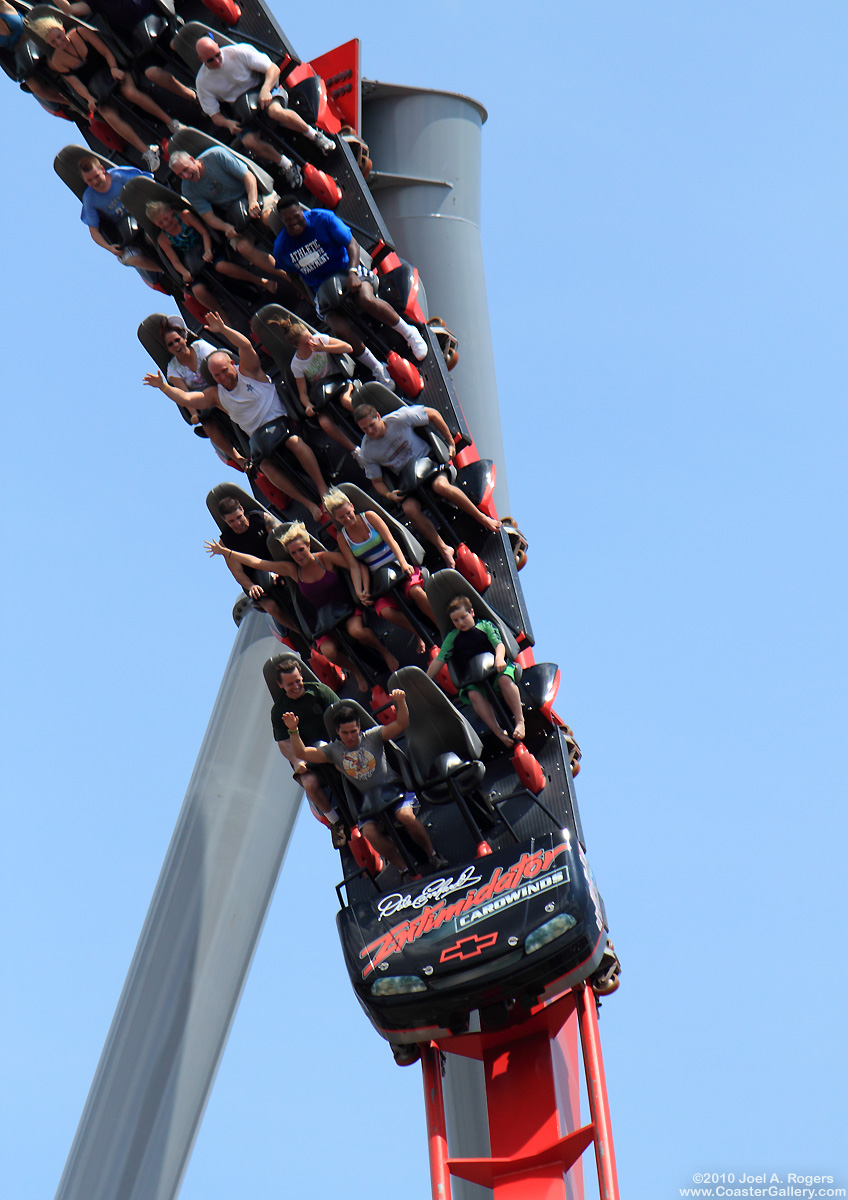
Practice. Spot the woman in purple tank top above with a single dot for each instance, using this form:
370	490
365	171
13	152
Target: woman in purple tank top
317	577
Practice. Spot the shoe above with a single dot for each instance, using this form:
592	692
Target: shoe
416	344
356	455
323	142
381	374
175	126
152	159
338	835
293	174
437	861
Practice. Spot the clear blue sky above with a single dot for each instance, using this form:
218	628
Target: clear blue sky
664	229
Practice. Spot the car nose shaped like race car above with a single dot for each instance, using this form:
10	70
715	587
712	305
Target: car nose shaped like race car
521	924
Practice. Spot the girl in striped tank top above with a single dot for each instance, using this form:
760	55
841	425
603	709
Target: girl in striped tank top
366	545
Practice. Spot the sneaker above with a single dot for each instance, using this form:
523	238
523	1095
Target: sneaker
356	455
416	344
381	374
175	126
437	861
323	142
293	174
338	836
151	159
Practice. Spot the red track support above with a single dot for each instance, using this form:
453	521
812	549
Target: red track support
532	1096
597	1087
434	1107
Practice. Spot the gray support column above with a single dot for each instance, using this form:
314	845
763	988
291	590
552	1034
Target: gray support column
186	977
426	151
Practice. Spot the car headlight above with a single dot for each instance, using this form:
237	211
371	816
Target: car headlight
397	985
552	929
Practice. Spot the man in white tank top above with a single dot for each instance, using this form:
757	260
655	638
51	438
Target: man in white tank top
250	399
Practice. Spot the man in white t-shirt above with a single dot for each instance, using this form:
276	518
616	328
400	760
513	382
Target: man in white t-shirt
227	72
250	399
392	442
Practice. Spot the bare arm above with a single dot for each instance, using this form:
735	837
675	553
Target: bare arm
250	560
358	571
252	189
435	667
207	399
97	236
190	218
401	722
385	533
272	78
307	753
249	363
173	258
223	122
216	222
440	424
303	395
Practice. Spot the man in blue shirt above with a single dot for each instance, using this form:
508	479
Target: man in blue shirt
102	199
315	245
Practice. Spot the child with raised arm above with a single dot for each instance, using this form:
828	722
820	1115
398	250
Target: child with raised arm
467	639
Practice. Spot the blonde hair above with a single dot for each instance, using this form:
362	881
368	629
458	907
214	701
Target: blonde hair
334	499
41	26
298	530
156	208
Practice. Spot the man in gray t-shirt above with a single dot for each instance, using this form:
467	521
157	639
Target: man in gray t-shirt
219	177
360	755
391	442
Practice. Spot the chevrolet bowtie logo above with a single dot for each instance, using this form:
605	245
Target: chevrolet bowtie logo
468	947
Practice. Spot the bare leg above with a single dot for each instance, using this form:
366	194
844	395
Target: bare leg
442	487
419	596
145	263
170	83
210	302
407	818
261	148
486	713
384	846
333	652
285	483
375	307
130	92
232	271
275	610
428	530
357	630
221	442
247	248
288	119
311	785
306	457
344	331
402	621
512	696
332	430
111	116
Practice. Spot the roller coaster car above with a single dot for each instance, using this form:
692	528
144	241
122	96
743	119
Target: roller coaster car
518	925
304	94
